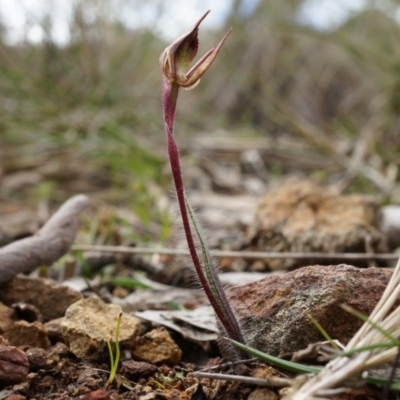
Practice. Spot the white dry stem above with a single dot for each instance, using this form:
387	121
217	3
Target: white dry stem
341	369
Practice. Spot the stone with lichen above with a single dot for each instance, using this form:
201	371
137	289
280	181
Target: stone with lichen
273	311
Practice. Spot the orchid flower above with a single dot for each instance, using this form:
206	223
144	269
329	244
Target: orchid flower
176	58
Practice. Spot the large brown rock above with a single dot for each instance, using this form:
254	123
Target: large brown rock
272	311
302	216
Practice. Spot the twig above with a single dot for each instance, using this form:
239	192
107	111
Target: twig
267	382
52	241
244	254
229	364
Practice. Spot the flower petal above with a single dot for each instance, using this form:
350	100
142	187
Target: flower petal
200	68
176	58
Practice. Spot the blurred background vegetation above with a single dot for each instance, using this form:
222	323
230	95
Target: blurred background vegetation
85	116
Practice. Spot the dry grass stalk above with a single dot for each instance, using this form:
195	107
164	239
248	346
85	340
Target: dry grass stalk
244	254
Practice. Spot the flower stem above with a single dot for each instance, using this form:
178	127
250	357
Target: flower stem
209	279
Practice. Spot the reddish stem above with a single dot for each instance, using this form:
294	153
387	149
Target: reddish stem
228	320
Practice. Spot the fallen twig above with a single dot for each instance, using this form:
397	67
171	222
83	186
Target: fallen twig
273	381
52	241
244	254
228	364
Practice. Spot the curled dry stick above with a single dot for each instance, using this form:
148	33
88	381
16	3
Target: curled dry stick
51	242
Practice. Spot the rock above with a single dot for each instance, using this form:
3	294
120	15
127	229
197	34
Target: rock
133	370
59	350
90	378
262	394
272	311
24	333
41	359
88	323
53	329
157	347
49	297
98	395
7	317
15	396
14	365
305	217
390	225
